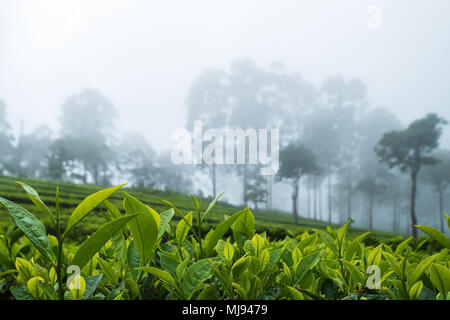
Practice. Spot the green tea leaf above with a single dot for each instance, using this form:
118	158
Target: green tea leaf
343	231
108	271
161	274
239	267
133	259
421	267
244	227
394	264
354	272
374	256
95	242
228	251
211	206
306	264
402	246
145	227
415	290
77	287
33	229
36	287
440	277
166	217
328	241
436	235
91	285
194	277
89	204
34	196
21	293
183	226
220	230
354	245
112	209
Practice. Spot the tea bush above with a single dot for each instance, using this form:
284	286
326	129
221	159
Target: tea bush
145	254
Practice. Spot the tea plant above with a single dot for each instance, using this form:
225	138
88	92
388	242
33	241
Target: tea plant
143	254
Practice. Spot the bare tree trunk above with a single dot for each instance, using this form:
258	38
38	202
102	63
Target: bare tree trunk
340	202
309	199
329	197
394	214
315	198
370	212
295	189
96	173
213	177
441	209
349	197
320	202
413	202
269	193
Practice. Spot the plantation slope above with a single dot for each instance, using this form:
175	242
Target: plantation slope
276	223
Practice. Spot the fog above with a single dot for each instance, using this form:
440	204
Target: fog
144	56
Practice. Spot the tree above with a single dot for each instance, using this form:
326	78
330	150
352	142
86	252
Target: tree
136	160
29	154
373	185
170	176
373	177
249	109
410	150
346	100
321	135
60	159
88	120
5	139
256	191
439	177
296	161
208	102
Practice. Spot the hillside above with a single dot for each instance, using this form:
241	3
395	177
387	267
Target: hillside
276	223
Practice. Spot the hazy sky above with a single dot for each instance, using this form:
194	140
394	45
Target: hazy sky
143	55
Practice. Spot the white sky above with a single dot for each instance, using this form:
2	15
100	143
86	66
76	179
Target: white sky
143	55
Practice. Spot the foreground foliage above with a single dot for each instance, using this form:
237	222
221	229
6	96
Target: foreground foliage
143	254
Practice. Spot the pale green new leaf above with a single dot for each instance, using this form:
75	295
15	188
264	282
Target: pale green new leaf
220	231
211	205
436	235
306	264
144	228
421	267
394	264
244	227
354	245
95	242
374	256
108	270
415	290
354	272
182	229
402	246
328	241
440	277
34	196
89	204
166	217
161	274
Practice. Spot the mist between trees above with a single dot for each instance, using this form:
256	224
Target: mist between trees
340	157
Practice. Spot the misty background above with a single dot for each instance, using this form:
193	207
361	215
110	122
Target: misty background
144	57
